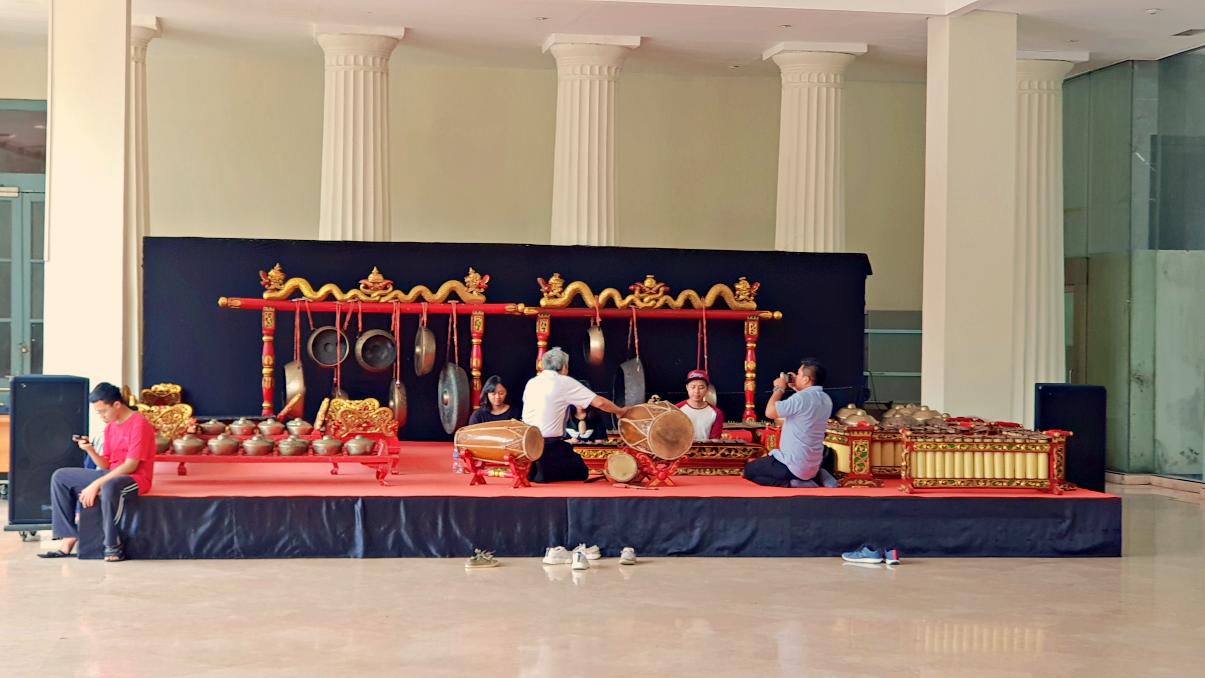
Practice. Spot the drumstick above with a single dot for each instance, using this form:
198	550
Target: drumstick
634	487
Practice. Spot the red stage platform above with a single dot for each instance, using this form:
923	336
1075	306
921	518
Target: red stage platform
426	472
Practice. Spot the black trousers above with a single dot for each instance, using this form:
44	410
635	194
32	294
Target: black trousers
558	463
768	471
65	486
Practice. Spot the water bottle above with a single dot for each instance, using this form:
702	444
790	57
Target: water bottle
456	467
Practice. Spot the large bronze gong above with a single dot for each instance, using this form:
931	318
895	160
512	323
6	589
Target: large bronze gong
453	397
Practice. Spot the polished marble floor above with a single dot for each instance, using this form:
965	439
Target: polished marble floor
1140	615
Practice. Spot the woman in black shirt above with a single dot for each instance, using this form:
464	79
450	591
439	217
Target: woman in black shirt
494	406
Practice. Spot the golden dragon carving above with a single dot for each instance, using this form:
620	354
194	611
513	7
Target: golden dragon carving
375	288
647	294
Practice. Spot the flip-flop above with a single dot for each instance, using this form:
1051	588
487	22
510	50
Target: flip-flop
56	554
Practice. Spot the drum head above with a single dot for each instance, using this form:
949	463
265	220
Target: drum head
659	429
375	350
322	345
621	467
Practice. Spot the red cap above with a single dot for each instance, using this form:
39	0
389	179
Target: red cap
698	374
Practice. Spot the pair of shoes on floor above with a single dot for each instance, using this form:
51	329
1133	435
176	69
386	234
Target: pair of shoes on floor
481	560
579	557
872	555
559	555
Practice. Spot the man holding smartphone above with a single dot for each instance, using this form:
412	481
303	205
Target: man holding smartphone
805	415
122	471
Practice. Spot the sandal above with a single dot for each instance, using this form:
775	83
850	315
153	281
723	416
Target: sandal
114	554
481	559
57	553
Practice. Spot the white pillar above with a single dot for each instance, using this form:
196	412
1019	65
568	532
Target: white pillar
811	185
970	206
583	176
1039	354
137	199
89	67
354	201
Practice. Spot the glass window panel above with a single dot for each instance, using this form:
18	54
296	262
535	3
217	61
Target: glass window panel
6	229
37	225
35	331
6	286
37	293
24	135
6	347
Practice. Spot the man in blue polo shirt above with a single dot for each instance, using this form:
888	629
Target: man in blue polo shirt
805	414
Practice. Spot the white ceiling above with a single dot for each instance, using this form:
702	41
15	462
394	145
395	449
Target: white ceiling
693	35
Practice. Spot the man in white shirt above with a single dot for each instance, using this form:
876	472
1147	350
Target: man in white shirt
796	462
546	398
707	419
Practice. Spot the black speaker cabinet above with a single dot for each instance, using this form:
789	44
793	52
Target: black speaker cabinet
46	412
1081	410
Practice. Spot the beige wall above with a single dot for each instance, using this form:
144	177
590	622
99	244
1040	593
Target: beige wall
23	75
235	150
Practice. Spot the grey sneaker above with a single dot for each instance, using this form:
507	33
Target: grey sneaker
627	556
866	554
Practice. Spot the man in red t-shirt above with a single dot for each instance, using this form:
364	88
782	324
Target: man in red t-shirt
123	471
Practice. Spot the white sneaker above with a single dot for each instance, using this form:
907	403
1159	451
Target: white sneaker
557	555
627	556
592	553
580	562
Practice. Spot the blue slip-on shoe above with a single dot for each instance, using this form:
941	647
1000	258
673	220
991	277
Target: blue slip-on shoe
891	556
866	554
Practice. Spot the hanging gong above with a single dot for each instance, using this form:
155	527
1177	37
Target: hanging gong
397	403
453	397
629	382
375	350
424	351
294	389
595	348
323	343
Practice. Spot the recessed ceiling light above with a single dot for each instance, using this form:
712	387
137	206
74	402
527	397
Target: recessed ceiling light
541	18
784	25
1073	41
734	66
39	126
1153	11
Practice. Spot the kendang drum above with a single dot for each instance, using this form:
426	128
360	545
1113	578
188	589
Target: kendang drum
657	428
495	440
621	467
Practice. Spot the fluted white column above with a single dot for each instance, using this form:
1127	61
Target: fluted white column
137	200
811	191
1038	337
354	201
583	178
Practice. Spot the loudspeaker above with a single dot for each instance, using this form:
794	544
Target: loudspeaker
46	412
1081	410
